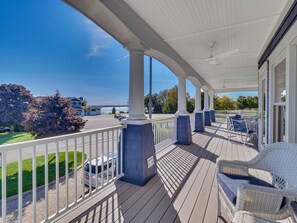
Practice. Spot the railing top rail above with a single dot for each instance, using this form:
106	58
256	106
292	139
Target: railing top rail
163	119
56	138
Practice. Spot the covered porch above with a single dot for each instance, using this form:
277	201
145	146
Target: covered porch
217	53
184	189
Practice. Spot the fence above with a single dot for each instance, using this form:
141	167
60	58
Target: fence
242	112
163	130
64	165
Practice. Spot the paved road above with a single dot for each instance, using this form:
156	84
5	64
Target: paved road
93	122
99	121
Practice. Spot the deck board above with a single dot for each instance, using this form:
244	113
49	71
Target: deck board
184	190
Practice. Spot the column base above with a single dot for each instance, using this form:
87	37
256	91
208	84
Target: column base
139	154
207	120
199	122
184	133
213	115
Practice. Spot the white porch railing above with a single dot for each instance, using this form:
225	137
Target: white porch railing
98	146
163	132
241	112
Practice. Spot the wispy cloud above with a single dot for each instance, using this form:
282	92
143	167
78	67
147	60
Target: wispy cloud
99	39
94	50
121	58
116	61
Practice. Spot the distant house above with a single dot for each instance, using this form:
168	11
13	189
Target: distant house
76	103
93	110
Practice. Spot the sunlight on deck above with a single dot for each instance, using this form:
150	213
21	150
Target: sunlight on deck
184	190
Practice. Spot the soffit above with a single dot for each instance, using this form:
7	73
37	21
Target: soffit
188	26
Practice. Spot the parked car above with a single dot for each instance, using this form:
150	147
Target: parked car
119	116
4	129
108	160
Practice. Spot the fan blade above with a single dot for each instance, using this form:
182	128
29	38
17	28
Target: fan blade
211	58
214	62
205	58
226	54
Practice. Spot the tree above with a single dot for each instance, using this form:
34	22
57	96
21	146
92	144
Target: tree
190	105
216	102
14	102
51	116
202	100
162	96
85	104
156	103
170	104
241	102
252	102
226	103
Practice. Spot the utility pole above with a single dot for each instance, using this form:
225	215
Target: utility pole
151	89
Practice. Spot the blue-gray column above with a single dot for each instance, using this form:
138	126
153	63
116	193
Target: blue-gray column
199	122
184	133
207	119
139	158
138	147
213	115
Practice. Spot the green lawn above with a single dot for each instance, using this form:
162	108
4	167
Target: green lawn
12	171
221	120
8	138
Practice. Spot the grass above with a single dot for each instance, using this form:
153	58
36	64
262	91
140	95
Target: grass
8	138
221	120
12	171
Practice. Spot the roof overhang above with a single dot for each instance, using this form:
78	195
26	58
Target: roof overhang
178	33
122	23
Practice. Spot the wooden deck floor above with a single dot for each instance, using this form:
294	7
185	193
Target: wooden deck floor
184	190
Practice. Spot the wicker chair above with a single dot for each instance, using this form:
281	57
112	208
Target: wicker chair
239	191
247	217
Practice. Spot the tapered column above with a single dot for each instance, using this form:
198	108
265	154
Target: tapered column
182	121
211	100
206	101
182	94
139	154
199	120
212	111
198	99
207	119
136	82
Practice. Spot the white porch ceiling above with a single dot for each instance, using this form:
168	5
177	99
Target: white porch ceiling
188	26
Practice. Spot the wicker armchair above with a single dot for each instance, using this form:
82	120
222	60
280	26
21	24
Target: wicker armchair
239	191
247	217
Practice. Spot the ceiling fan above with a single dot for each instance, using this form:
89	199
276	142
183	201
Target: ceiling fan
213	59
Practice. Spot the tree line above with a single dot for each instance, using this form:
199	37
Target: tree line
48	116
166	102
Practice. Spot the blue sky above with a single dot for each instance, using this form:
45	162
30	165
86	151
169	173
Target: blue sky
48	46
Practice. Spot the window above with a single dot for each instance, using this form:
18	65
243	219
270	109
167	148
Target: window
279	121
